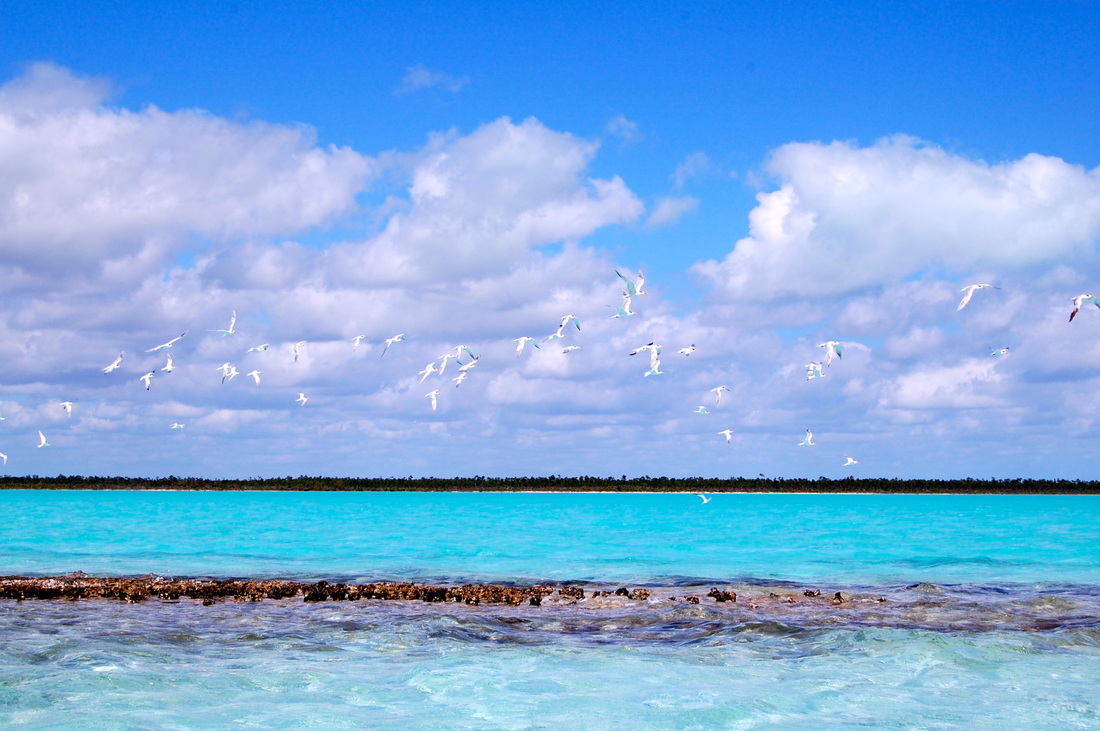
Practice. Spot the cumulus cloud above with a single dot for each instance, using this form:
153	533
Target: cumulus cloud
420	77
670	210
846	217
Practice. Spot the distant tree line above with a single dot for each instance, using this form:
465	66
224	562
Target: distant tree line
557	483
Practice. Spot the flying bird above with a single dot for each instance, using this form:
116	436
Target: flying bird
255	376
42	439
4	457
688	350
729	435
633	289
565	322
428	370
705	498
176	425
570	348
848	461
1080	300
147	379
116	364
833	349
168	367
302	398
701	410
460	378
232	324
969	290
356	340
653	348
717	391
399	338
68	406
170	343
433	396
808	441
813	370
298	349
623	311
460	349
522	343
999	351
443	361
258	348
469	366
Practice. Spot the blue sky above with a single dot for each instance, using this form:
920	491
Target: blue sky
784	175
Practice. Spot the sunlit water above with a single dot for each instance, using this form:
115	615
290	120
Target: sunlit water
992	616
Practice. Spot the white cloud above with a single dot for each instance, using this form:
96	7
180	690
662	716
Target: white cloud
626	130
420	77
670	210
846	217
695	165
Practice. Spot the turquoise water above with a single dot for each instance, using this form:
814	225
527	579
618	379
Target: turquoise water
992	616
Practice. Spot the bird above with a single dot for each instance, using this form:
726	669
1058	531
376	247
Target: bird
833	348
443	361
168	367
232	324
68	406
231	374
522	343
399	338
460	349
969	290
4	457
356	340
999	351
688	350
116	364
433	396
298	349
1080	300
848	461
255	376
728	434
565	321
302	398
460	378
653	348
623	311
148	379
170	343
808	441
42	440
701	410
176	425
428	370
705	498
258	348
717	391
813	370
654	362
570	348
469	366
633	289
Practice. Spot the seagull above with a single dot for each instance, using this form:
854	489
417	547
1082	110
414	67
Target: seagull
168	367
729	435
356	340
705	498
565	322
808	441
701	410
399	338
255	376
570	348
169	344
623	311
42	440
633	289
301	398
433	395
232	324
428	370
116	364
259	348
718	394
849	461
522	343
1080	300
999	351
688	350
68	406
148	379
813	370
176	425
833	348
4	457
969	289
298	349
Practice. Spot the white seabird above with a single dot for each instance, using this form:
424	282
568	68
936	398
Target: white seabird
688	350
521	343
68	406
717	391
258	348
399	338
705	498
42	439
969	290
116	364
255	376
232	325
298	349
147	379
625	310
808	440
302	398
433	395
833	348
848	461
728	434
356	340
633	289
1080	300
168	366
169	344
428	370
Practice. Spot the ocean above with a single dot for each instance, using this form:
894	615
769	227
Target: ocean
954	611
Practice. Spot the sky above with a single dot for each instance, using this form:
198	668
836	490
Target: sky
783	174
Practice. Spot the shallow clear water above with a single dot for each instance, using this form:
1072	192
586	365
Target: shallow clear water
991	618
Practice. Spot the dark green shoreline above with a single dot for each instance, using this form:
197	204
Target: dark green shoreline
968	486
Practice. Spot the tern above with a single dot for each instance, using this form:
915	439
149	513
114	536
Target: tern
255	376
42	439
4	457
1080	300
433	396
705	498
701	410
460	349
302	398
623	311
565	322
230	374
399	338
232	324
461	377
570	348
833	348
633	289
653	348
116	364
176	425
469	366
999	351
728	434
848	461
356	340
169	344
808	441
298	349
168	367
147	379
258	348
521	343
443	361
68	406
813	370
428	370
654	365
717	391
969	290
688	350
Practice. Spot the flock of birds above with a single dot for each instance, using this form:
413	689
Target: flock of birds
466	360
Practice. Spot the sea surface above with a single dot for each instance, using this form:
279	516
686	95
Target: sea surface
956	612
